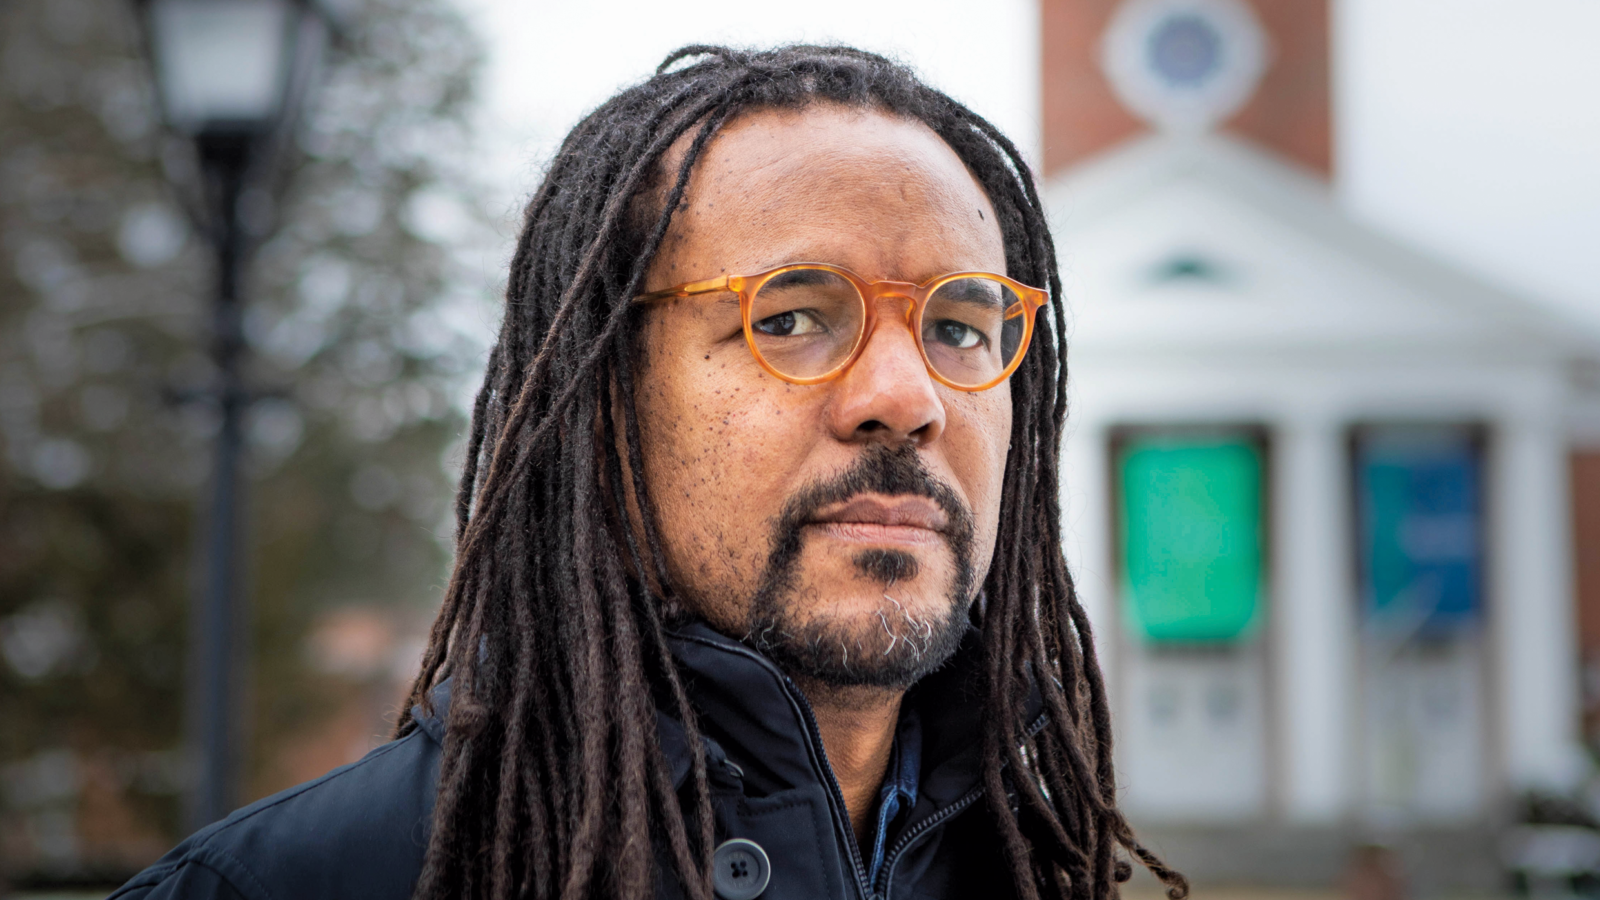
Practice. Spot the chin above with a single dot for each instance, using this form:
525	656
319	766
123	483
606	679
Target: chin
876	617
859	629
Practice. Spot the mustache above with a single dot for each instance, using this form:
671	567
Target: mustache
883	470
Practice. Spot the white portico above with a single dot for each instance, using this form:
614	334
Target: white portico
1213	286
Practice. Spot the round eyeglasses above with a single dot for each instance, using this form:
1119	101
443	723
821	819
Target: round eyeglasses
806	323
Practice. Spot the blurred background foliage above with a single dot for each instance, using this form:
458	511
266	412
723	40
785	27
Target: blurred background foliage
366	328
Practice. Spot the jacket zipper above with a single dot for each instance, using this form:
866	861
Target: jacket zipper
841	820
886	873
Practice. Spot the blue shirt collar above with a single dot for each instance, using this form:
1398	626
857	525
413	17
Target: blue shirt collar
899	792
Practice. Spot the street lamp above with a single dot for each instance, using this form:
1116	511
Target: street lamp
231	75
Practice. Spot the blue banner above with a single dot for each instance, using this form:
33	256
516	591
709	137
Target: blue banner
1420	530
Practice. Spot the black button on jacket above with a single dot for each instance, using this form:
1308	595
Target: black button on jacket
361	830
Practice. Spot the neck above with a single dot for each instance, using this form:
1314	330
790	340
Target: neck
857	726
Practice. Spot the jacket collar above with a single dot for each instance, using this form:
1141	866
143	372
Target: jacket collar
754	716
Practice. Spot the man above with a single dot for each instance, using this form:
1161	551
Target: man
758	588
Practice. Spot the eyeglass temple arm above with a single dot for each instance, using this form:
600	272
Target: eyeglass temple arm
1022	306
686	290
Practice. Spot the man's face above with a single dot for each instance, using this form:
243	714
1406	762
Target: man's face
843	527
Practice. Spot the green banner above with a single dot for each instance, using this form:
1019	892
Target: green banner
1191	537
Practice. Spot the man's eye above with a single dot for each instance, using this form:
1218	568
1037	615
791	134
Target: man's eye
789	324
956	334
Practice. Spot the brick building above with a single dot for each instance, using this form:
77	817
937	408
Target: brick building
1320	494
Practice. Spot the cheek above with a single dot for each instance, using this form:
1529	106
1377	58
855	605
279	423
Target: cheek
980	445
716	460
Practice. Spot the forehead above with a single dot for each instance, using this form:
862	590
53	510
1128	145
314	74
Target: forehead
881	195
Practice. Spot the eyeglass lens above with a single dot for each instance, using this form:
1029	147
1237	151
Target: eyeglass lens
805	322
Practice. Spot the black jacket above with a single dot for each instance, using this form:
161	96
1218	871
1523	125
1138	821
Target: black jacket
361	830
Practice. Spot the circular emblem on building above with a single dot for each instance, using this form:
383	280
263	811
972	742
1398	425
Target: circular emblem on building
1184	65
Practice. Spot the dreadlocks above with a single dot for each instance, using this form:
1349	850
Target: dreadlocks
552	781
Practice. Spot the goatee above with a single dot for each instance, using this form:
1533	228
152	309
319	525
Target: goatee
900	647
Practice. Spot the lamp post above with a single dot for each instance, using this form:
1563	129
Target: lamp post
230	75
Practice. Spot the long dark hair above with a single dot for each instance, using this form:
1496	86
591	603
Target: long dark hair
553	783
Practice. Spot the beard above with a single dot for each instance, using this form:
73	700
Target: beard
895	648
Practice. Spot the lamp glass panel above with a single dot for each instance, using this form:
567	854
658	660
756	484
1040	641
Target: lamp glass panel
1191	537
1420	516
221	62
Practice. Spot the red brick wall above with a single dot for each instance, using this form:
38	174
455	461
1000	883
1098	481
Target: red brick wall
1292	109
1081	114
1586	563
1291	112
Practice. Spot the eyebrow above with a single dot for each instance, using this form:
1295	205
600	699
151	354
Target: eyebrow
969	290
805	278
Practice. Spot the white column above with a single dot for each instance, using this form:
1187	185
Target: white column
1531	612
1313	622
1086	531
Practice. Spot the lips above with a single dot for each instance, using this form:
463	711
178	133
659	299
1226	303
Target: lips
877	519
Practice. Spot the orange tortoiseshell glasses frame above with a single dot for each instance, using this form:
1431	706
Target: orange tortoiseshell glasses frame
1029	299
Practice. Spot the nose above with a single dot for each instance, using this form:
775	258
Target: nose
887	395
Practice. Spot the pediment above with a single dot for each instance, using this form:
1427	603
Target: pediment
1204	245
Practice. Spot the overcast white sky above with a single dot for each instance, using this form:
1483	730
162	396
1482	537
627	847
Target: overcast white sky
1470	127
